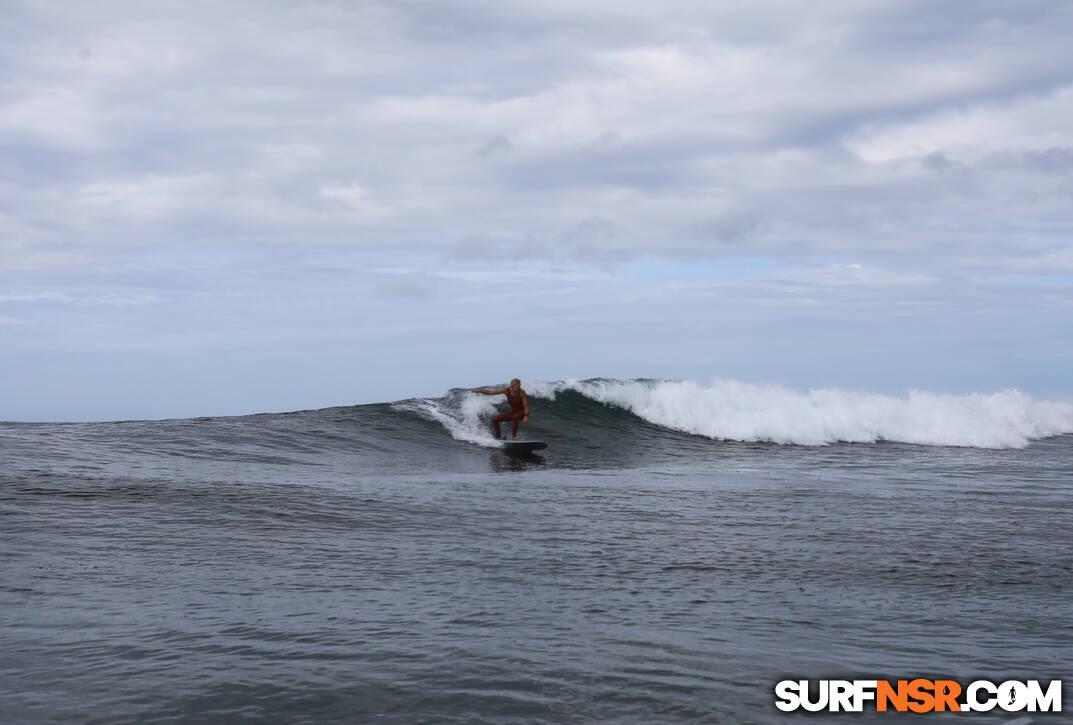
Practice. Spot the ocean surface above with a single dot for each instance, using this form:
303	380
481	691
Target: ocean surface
675	551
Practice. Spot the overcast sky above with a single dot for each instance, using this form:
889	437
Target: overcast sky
233	207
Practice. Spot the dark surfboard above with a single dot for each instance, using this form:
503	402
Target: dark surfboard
522	446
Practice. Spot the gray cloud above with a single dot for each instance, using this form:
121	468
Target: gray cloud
141	120
495	146
409	287
1049	161
202	155
937	161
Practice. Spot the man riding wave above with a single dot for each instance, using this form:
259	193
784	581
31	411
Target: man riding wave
519	407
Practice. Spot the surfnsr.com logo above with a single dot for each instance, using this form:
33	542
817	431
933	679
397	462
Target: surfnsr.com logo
918	695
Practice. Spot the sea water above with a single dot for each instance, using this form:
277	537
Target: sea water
675	552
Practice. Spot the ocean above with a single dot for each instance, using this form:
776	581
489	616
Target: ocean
676	551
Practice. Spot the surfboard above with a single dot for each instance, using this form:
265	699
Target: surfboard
522	446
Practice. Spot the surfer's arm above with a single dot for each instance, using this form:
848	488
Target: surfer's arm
525	402
501	391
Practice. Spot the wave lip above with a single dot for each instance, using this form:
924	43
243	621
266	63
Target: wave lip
463	414
732	410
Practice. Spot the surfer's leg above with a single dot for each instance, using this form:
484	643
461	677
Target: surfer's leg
496	420
515	419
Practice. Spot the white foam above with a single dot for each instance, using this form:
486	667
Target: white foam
465	415
732	410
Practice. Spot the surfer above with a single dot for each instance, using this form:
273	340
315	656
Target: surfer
519	407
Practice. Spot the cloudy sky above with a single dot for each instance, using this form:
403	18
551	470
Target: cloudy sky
217	208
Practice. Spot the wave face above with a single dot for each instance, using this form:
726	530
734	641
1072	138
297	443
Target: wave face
588	424
734	411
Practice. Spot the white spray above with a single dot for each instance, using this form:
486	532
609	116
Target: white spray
732	410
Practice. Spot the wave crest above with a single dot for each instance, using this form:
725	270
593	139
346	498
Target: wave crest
732	410
462	413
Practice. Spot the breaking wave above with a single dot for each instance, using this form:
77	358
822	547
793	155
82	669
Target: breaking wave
732	410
